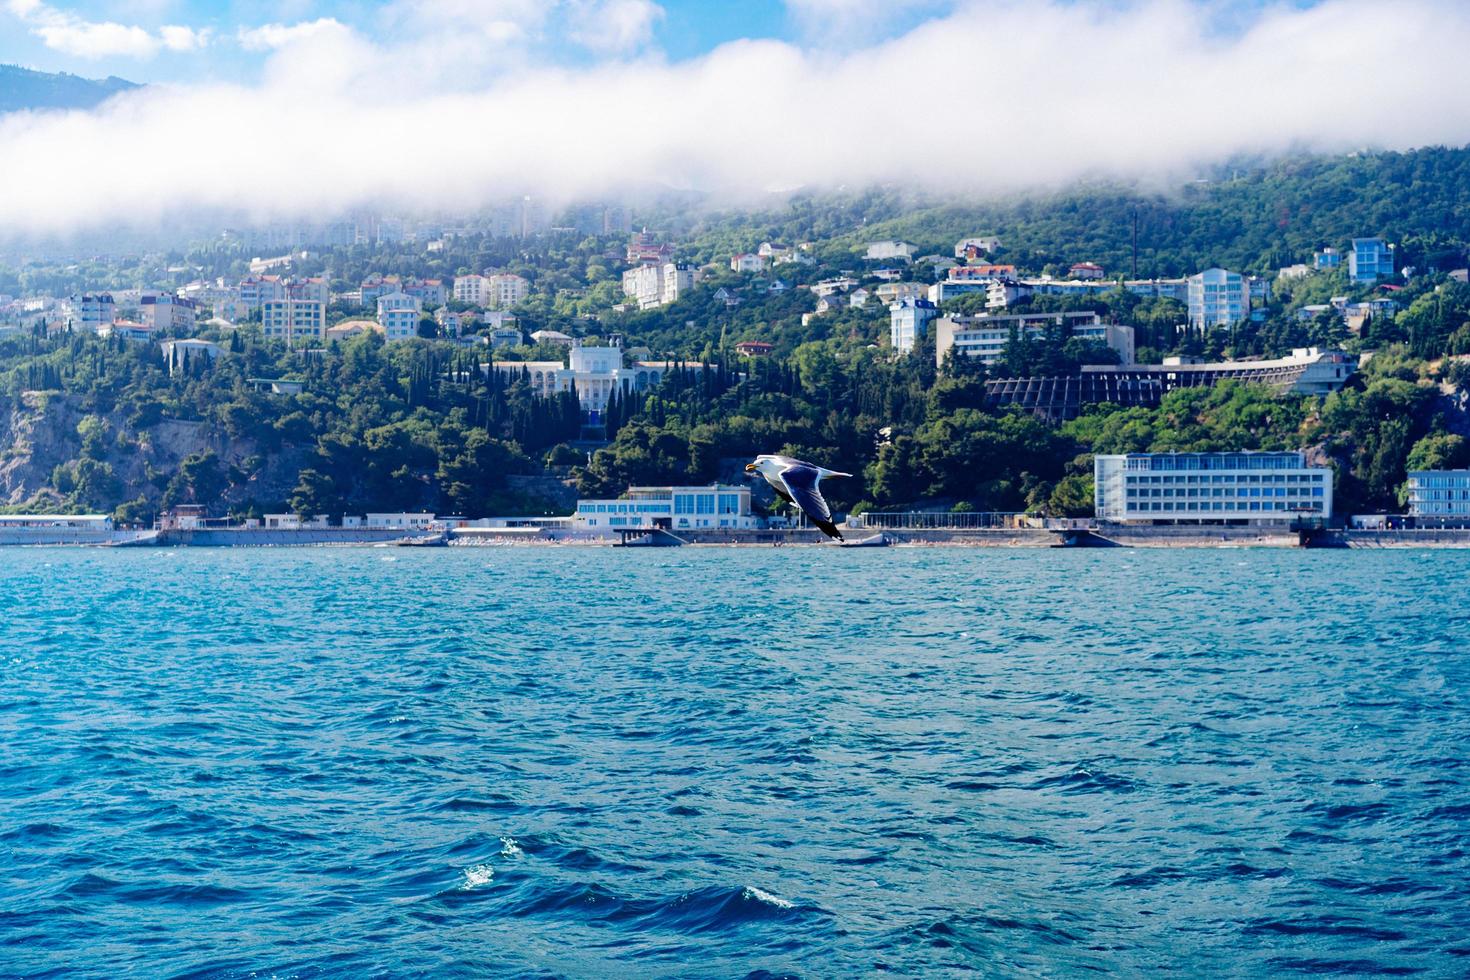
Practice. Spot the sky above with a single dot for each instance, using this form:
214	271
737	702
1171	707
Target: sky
277	108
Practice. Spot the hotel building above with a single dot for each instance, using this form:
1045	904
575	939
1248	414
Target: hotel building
675	508
985	337
1218	298
293	319
1238	487
1440	495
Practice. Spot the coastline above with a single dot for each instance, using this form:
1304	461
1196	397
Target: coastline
1112	536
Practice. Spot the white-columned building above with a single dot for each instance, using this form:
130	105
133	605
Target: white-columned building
675	508
593	372
1238	487
1440	495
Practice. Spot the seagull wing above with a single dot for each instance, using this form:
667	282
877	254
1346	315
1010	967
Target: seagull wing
802	481
780	489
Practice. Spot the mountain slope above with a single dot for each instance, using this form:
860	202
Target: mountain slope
23	88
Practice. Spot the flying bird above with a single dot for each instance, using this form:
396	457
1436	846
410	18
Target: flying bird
797	483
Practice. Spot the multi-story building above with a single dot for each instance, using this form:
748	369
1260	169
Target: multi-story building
95	311
646	249
429	292
165	312
676	508
375	286
1440	495
1327	258
889	293
504	290
293	319
1175	289
1218	298
472	289
906	319
506	337
256	291
456	324
657	285
1236	487
1085	270
1371	259
398	315
985	337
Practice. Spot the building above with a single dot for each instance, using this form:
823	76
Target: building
351	328
505	337
293	319
472	289
126	330
974	248
1210	488
1001	293
429	292
747	262
552	337
1440	495
594	373
1175	289
165	312
1218	298
657	285
829	287
985	337
1327	259
889	293
645	249
407	522
1370	260
453	323
398	315
1308	371
180	354
754	348
256	291
95	311
884	251
906	320
1085	270
674	508
505	289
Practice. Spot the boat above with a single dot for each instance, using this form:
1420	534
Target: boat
876	541
439	540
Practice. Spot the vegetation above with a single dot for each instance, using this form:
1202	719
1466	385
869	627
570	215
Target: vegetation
421	423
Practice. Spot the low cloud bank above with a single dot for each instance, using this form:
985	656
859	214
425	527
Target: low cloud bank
990	98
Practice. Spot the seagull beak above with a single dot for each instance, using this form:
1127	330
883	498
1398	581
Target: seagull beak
750	467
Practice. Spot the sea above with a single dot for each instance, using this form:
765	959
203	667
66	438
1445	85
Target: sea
733	762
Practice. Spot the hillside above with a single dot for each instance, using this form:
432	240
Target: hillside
24	88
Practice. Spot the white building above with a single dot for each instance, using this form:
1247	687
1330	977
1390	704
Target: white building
593	372
505	337
889	293
1242	487
256	291
552	337
838	284
472	289
504	290
985	337
1218	298
293	319
408	522
675	508
883	251
656	285
906	319
95	311
747	262
1440	495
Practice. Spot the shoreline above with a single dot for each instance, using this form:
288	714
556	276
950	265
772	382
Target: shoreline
1119	536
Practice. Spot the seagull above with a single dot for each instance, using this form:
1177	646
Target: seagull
797	482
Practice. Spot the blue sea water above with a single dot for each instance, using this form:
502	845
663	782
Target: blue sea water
716	762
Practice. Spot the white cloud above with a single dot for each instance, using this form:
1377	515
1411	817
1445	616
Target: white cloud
71	35
613	26
984	101
268	37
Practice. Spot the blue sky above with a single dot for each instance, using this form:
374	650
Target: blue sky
681	29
